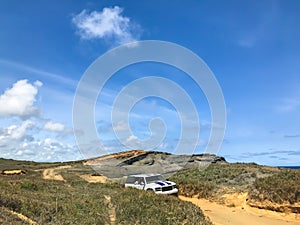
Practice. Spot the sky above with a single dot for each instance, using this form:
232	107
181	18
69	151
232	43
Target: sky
252	48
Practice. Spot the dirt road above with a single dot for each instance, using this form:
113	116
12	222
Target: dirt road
22	217
112	210
54	173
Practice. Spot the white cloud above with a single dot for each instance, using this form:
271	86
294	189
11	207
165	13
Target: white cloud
56	127
109	24
131	138
19	100
35	138
28	141
121	126
15	132
38	83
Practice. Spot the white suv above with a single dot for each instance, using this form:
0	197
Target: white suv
152	182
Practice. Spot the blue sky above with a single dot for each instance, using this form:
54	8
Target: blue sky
252	47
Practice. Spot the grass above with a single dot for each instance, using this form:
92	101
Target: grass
49	202
283	187
277	186
207	182
165	209
78	202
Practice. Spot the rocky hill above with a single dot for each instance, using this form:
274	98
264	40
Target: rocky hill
140	161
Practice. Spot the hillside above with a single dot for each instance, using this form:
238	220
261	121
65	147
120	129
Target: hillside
91	191
71	193
240	184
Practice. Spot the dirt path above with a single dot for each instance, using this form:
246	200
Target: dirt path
112	211
54	173
224	215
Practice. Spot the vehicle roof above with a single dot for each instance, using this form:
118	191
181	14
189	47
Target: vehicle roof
144	175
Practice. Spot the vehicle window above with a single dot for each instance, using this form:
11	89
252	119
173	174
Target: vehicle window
153	179
130	180
140	181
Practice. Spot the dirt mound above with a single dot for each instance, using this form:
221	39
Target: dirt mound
13	172
242	201
285	207
235	199
94	179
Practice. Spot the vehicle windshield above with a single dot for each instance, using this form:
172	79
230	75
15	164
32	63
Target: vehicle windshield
153	179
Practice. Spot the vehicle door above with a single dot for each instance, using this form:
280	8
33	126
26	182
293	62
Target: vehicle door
139	183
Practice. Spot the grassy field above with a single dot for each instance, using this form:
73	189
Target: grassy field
77	202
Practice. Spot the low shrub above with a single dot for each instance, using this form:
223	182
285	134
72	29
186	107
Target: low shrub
283	187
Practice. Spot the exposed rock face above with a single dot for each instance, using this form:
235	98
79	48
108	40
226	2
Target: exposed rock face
139	161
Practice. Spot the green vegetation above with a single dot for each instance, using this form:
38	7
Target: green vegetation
278	186
9	164
140	207
77	202
283	187
49	202
207	182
